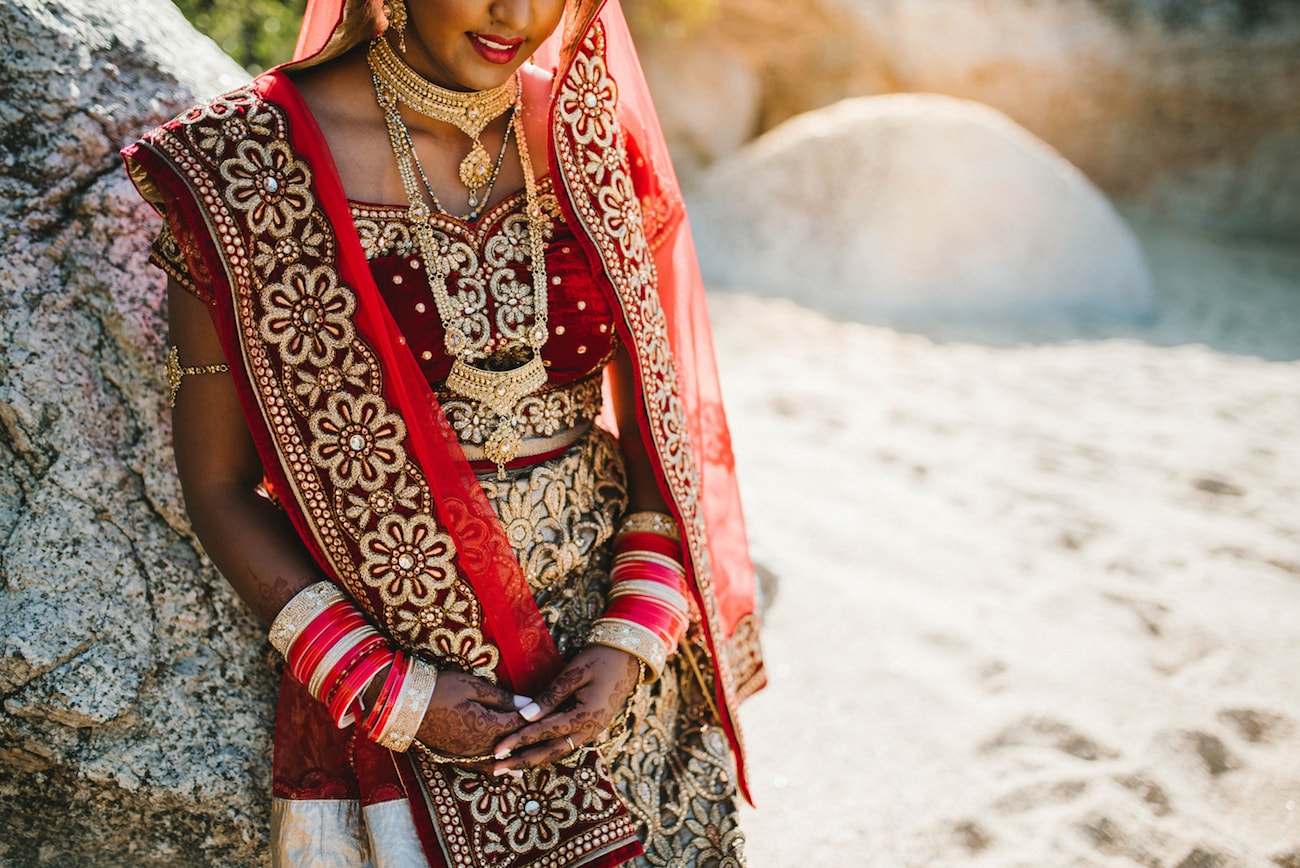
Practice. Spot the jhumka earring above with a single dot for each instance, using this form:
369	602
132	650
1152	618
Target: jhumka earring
395	13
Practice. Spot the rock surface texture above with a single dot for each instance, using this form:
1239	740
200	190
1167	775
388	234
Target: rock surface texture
916	206
136	695
1185	108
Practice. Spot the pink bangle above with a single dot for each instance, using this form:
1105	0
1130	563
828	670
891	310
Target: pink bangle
392	691
355	683
330	668
652	542
332	681
315	642
393	681
668	595
641	571
672	565
663	621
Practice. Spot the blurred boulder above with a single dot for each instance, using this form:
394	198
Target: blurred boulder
1184	108
136	702
916	206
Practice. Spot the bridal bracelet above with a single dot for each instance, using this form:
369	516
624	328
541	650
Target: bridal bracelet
648	608
331	648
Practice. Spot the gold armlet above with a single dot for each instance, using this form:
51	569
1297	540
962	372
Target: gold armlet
176	372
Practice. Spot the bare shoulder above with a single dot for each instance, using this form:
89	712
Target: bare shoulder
338	92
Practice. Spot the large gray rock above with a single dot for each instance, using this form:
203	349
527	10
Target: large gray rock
916	207
1185	108
136	695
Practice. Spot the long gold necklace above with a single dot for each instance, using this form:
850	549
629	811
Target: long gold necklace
468	112
497	390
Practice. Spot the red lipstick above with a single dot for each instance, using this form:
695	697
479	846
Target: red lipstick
496	49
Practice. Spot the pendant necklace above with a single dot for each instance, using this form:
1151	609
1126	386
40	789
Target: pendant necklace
497	390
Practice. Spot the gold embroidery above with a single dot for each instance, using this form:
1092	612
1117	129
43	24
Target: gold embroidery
319	389
587	134
537	416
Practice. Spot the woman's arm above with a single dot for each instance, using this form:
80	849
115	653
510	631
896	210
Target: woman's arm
253	543
643	493
251	540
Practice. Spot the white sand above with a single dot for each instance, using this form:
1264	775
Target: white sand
1039	603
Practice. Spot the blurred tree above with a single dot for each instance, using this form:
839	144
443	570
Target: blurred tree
257	33
662	17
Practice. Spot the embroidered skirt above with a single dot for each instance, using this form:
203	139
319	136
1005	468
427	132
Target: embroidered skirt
672	767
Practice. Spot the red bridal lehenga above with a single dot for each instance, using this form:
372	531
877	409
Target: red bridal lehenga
324	309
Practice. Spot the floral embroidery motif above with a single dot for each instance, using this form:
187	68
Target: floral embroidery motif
358	441
587	101
309	315
269	184
607	206
406	559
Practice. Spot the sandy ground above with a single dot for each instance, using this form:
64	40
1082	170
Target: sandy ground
1039	598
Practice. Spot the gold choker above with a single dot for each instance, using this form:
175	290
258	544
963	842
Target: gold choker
468	112
496	390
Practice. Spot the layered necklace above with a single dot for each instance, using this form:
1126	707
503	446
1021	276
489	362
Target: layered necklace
497	389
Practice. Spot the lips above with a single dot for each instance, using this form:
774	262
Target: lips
495	49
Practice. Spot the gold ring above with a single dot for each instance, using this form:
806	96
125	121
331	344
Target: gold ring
572	746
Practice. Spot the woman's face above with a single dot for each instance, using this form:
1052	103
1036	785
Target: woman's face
476	44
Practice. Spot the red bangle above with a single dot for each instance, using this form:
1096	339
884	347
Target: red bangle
656	616
397	665
629	570
320	636
307	637
392	690
331	682
356	681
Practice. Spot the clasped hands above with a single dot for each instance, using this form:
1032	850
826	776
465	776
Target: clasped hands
470	717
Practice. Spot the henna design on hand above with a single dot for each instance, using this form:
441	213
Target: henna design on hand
467	716
581	703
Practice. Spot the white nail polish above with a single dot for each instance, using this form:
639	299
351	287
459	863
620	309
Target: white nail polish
502	753
521	701
531	711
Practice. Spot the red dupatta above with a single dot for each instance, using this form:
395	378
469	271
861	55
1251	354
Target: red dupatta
620	188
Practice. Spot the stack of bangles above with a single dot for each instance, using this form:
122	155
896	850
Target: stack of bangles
332	649
648	610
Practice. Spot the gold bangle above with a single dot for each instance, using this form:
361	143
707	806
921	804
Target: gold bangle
301	611
631	637
176	372
412	703
650	522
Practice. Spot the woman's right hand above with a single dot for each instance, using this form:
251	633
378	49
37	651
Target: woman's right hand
467	716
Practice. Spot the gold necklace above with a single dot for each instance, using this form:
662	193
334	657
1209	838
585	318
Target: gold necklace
497	390
468	112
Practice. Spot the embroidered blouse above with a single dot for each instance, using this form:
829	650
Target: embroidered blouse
494	262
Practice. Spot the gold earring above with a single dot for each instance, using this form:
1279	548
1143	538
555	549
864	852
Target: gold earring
395	13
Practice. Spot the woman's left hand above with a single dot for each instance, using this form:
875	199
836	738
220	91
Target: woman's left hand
599	681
